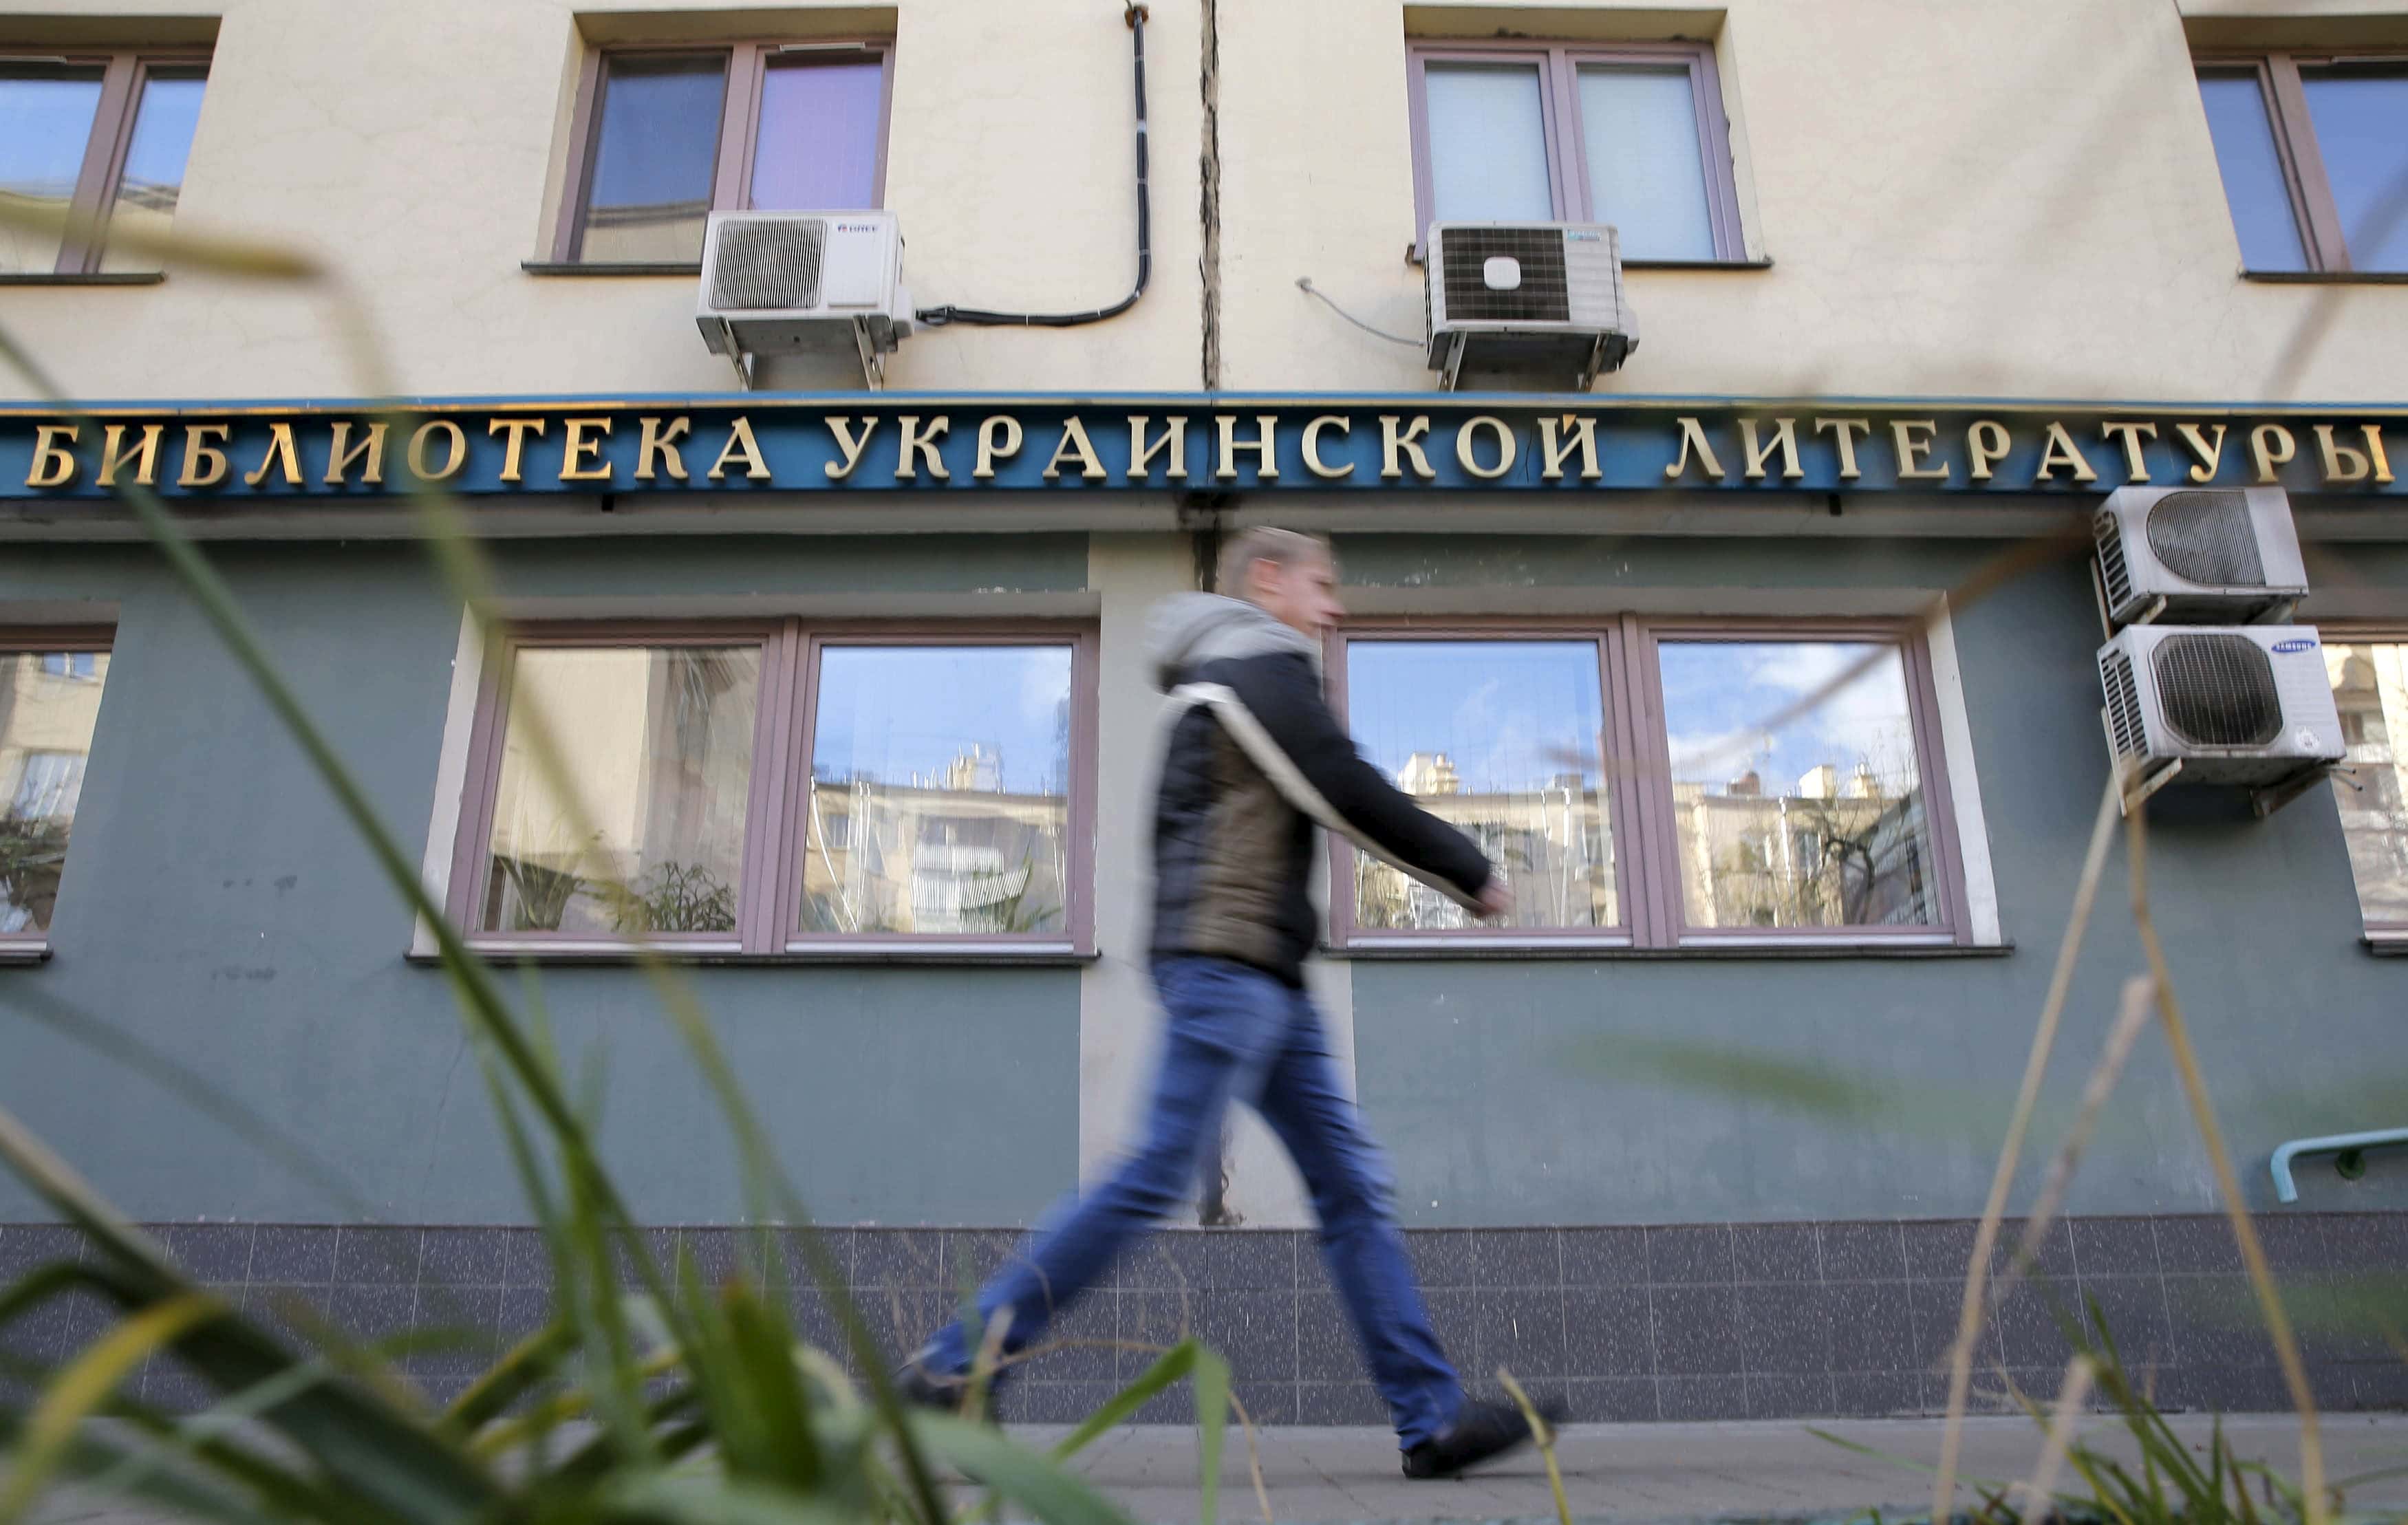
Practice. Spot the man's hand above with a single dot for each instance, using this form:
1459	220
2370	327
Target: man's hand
1496	900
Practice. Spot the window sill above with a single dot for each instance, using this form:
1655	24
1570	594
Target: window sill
1414	257
98	277
620	955
1448	949
2390	943
24	954
2327	278
656	267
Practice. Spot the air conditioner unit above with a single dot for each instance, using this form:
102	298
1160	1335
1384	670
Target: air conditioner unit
2222	555
1527	296
2234	705
787	283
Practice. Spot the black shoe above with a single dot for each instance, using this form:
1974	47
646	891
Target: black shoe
1481	1431
917	1387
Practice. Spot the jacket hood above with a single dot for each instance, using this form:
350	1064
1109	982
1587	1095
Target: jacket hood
1188	629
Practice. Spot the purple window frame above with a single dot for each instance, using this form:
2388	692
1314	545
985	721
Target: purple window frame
1646	856
1559	65
2313	211
19	640
739	120
2367	633
123	73
769	909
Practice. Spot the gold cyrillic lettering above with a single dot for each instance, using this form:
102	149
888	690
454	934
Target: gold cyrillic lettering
2136	466
2209	451
658	444
740	446
2270	446
370	451
455	456
282	453
581	453
2060	451
1395	442
143	457
1985	444
2375	448
1263	446
998	440
1555	452
1784	440
851	444
1172	446
1469	459
2341	463
919	444
53	464
1075	445
205	464
1911	439
514	452
1312	462
1693	437
1846	433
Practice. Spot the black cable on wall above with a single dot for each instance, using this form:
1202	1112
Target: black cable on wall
940	316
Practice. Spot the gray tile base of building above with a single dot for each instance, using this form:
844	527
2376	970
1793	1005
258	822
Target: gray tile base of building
1750	1321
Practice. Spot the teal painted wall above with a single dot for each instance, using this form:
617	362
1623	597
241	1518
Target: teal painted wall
1488	1086
217	912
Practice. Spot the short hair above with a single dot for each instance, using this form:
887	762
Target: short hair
1262	542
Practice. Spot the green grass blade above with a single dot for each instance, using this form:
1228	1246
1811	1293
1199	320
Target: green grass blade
1211	1382
1171	1365
1037	1483
84	1385
88	1455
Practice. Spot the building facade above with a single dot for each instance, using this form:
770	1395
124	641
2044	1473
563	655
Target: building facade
1765	666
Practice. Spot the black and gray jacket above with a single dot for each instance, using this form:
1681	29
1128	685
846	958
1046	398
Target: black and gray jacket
1256	761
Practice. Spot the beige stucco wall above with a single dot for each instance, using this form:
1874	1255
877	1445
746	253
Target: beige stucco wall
1958	198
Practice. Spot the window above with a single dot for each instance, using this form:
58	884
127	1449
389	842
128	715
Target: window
46	727
1632	135
2314	152
665	136
773	789
2369	679
1788	790
101	137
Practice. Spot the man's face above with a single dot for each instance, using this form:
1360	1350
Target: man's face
1301	595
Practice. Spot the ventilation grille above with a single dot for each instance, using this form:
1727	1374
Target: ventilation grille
2218	691
768	265
2123	705
2114	570
1545	296
2207	539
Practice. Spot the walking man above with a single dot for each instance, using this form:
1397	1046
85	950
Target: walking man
1255	760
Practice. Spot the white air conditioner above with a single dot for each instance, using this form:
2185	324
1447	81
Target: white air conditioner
786	284
1527	296
2234	705
2214	555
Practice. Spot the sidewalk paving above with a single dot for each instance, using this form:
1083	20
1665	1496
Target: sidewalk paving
1722	1471
1725	1469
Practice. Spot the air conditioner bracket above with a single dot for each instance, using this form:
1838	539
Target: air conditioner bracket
2272	797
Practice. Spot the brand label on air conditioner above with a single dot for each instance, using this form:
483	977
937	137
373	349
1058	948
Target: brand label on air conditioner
2299	643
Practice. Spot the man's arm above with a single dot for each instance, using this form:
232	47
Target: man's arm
1284	697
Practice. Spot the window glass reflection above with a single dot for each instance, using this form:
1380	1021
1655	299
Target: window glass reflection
49	704
654	157
1487	143
658	745
2361	112
46	118
1796	819
2370	683
2254	185
940	798
1502	739
1646	172
817	148
153	178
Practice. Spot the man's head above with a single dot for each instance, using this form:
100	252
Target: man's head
1288	574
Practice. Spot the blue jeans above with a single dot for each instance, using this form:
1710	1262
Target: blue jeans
1237	1033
